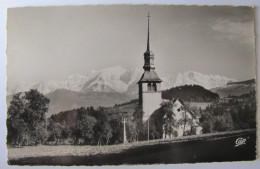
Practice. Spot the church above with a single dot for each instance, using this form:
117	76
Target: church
150	98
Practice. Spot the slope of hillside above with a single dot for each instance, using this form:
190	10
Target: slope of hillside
252	81
128	107
190	93
63	99
233	90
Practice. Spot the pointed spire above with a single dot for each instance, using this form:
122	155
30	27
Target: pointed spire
148	40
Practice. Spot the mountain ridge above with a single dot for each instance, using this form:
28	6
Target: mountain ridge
64	99
251	81
121	80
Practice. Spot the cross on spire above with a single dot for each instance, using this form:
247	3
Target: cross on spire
148	15
148	38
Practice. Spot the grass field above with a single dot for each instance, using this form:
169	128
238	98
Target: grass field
203	148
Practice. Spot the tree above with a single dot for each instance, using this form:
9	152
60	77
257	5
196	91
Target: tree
36	106
216	119
21	132
138	122
168	119
207	120
26	118
56	131
84	128
17	128
154	132
224	123
104	133
115	122
107	132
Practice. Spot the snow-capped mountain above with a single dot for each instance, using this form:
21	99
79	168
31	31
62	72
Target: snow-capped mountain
119	79
113	79
207	81
16	87
168	82
73	82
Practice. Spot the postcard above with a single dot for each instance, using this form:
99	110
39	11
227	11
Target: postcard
96	85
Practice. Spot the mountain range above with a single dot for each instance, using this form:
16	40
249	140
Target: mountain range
118	79
109	86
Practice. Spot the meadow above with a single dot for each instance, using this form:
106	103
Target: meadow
216	147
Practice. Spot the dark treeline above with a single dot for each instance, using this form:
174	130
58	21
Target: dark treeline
95	126
239	112
190	93
27	123
99	126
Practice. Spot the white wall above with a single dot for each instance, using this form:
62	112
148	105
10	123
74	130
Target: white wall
151	102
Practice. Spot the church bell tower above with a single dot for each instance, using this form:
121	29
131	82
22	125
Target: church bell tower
150	95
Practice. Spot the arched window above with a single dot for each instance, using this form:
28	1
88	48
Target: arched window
149	87
153	88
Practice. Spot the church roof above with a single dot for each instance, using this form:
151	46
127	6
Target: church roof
150	76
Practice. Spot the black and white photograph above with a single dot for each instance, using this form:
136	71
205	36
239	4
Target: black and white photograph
121	84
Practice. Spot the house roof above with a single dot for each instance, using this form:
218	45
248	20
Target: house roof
175	99
150	76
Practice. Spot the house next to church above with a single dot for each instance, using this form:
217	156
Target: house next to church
187	119
150	95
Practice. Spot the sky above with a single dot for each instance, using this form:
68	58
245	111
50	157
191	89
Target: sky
51	43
